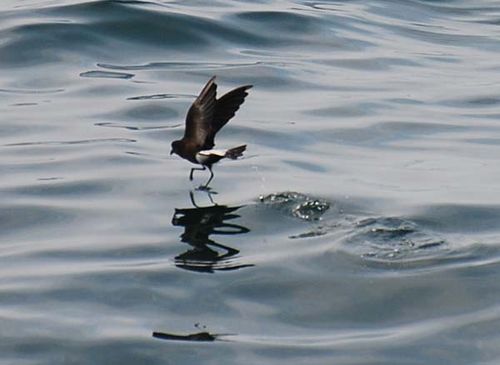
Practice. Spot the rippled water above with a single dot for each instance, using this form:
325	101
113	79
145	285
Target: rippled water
362	226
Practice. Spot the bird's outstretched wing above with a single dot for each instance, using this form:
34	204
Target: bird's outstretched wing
200	117
226	107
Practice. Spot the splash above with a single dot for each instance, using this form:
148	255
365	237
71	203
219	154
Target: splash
297	205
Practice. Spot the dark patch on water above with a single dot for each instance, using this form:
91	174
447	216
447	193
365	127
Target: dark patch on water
193	337
50	178
25	91
178	66
24	104
107	75
161	96
135	128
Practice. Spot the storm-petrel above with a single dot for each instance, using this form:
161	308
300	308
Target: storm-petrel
206	116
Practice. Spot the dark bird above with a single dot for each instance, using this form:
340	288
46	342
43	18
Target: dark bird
206	116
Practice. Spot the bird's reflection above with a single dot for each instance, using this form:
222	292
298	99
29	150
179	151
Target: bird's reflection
199	224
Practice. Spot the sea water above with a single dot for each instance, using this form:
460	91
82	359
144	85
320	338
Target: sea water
362	225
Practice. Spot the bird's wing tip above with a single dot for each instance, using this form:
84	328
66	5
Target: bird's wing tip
210	82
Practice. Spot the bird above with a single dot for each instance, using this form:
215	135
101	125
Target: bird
206	116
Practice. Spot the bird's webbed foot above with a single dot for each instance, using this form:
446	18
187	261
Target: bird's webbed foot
206	188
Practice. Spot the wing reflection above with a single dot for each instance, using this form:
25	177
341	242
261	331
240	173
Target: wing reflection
199	224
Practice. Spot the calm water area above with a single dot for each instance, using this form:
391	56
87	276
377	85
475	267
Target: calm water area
361	227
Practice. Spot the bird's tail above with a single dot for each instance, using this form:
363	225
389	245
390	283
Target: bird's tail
235	152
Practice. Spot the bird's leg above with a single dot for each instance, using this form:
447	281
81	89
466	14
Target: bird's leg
210	197
195	168
211	176
191	196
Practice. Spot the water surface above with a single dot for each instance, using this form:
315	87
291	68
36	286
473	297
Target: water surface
360	228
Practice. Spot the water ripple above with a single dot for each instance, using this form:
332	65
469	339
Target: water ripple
392	239
85	141
384	114
179	66
107	74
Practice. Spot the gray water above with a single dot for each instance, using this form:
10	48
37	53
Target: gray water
361	227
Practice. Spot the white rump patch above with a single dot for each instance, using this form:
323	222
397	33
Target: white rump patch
204	156
220	153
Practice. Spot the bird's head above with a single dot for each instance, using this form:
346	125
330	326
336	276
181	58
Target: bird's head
176	146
